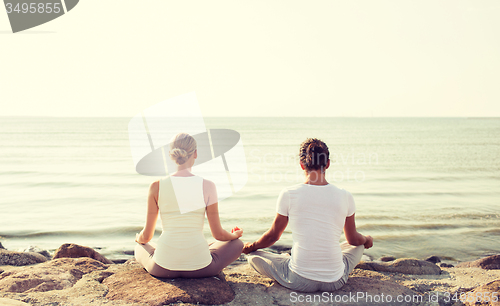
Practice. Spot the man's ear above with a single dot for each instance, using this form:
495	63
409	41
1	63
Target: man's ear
327	164
302	166
195	154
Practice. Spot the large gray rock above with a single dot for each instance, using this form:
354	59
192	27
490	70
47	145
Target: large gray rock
88	290
357	291
138	286
56	274
254	289
402	265
488	263
13	258
70	250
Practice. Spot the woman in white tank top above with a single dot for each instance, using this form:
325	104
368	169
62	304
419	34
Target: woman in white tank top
182	200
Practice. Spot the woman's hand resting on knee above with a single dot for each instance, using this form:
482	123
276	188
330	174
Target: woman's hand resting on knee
238	232
216	228
139	239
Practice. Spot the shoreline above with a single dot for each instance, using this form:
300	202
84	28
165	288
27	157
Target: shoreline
124	255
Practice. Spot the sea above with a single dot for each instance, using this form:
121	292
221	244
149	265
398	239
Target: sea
422	186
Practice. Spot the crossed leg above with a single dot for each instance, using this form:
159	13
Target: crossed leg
223	253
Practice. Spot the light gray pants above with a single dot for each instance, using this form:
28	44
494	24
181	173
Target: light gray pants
223	253
276	267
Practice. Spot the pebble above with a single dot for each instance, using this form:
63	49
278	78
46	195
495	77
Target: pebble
434	259
387	258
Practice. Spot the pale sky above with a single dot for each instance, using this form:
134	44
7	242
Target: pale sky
257	58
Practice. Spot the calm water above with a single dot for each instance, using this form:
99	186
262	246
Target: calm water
422	186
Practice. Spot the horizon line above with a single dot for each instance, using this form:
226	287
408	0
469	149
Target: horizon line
72	116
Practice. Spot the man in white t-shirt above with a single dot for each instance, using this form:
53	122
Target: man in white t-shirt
317	212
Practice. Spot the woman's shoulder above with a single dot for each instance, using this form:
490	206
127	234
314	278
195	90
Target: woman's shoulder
154	188
155	185
208	183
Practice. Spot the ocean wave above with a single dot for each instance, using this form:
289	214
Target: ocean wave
80	174
111	231
458	177
495	231
465	216
417	227
419	193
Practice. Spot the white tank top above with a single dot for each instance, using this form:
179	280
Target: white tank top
182	246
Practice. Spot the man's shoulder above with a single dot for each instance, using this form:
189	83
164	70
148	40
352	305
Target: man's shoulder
294	187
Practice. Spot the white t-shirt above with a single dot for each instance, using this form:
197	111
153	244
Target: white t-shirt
316	215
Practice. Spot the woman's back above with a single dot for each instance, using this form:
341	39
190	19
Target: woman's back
182	245
182	200
316	214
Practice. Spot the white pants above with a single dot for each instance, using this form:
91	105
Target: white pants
275	266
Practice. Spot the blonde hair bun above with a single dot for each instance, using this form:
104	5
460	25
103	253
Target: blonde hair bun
182	147
179	155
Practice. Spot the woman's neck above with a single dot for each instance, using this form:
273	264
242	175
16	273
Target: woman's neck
183	172
316	177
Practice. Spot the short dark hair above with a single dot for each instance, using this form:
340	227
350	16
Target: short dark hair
314	154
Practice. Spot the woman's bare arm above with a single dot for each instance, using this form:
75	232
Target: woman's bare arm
152	215
269	237
352	235
216	228
212	211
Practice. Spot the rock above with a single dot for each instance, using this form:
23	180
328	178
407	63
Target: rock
402	265
131	262
119	261
56	274
357	291
254	289
38	250
433	259
138	286
369	274
445	265
484	291
440	298
9	302
88	290
250	288
374	287
488	263
130	252
387	258
1	246
13	258
70	250
1	271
